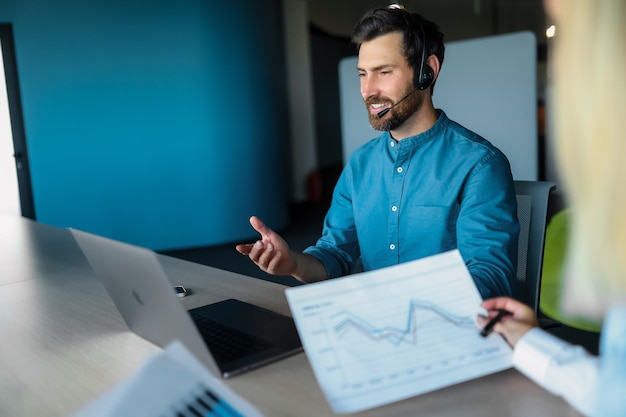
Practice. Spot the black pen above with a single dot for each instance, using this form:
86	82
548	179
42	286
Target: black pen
486	331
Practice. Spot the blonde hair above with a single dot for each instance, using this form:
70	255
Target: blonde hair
590	130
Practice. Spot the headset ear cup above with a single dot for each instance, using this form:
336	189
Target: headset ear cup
426	78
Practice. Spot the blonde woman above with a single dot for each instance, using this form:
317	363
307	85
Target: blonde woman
589	121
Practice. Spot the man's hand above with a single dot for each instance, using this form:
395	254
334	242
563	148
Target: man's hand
271	253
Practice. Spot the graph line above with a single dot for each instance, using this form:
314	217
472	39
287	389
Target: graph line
397	335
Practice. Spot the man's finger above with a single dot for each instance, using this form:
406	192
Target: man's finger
244	249
260	227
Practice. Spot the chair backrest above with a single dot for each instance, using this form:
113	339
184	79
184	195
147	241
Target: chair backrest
532	212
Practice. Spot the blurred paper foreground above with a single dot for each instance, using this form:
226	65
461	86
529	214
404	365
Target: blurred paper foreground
170	383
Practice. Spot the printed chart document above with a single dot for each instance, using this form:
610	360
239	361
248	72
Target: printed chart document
172	383
382	336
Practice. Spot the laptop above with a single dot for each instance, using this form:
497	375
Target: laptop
230	337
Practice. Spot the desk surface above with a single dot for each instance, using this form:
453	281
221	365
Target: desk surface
63	343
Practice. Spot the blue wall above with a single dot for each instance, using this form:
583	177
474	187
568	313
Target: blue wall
156	122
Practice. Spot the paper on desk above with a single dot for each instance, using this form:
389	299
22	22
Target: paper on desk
386	335
165	385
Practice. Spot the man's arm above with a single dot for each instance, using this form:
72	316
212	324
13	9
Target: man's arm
338	247
487	226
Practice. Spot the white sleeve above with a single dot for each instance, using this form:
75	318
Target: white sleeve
559	367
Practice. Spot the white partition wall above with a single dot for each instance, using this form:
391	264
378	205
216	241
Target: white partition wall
9	192
488	84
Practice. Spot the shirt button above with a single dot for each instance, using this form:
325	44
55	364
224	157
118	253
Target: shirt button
399	169
392	246
394	208
392	144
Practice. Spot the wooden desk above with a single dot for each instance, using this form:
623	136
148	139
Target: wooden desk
63	343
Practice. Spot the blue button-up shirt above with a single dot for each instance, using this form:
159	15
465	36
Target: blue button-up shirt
398	201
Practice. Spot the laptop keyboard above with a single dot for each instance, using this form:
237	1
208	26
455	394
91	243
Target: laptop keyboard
226	343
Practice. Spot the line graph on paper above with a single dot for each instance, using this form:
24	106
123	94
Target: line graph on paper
422	334
384	335
398	335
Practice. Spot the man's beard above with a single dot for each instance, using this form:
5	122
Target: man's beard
396	116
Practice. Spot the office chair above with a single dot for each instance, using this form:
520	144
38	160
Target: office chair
532	212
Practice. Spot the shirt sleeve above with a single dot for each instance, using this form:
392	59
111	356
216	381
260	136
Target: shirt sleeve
487	226
561	368
338	247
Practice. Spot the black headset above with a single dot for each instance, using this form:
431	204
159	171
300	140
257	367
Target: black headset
423	78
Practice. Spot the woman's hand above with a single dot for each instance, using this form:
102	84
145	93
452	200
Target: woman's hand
514	325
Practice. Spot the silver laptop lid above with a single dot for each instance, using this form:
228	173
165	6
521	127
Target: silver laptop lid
143	294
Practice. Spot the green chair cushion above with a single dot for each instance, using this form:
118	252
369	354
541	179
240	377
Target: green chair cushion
555	249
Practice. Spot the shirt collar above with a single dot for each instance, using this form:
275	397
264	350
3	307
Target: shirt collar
415	141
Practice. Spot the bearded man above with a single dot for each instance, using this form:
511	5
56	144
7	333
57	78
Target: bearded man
426	185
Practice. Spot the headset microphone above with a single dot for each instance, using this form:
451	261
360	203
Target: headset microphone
384	112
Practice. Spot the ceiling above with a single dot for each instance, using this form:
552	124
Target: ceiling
457	19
